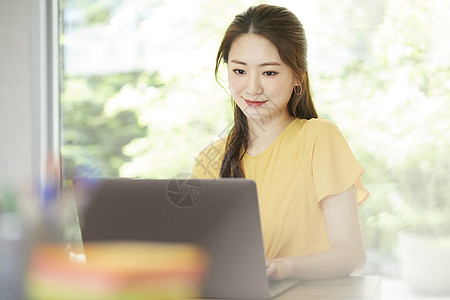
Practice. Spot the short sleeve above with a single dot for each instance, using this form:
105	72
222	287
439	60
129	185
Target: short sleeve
208	162
334	166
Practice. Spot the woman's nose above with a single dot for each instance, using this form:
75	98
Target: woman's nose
254	86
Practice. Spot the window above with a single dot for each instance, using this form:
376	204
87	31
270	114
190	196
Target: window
45	91
139	97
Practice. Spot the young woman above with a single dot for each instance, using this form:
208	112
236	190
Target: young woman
307	177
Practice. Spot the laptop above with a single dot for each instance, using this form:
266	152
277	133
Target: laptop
221	215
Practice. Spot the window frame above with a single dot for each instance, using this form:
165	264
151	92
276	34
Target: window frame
45	94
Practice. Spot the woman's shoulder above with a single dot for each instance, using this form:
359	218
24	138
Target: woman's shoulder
214	150
313	127
319	123
320	127
208	162
217	144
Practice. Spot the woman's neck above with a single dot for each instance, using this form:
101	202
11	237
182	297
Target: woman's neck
263	132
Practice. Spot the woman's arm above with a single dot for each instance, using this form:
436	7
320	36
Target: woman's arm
346	255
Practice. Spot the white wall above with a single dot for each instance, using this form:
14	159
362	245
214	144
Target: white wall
15	92
29	95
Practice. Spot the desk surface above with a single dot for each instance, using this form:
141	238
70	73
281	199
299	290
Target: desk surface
345	288
348	288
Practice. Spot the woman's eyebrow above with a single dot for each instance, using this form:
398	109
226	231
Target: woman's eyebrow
271	63
238	62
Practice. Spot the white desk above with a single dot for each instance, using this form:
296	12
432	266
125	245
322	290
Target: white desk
346	288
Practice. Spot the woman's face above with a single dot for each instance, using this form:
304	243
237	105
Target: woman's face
261	84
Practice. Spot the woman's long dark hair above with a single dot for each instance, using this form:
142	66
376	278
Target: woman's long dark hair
284	30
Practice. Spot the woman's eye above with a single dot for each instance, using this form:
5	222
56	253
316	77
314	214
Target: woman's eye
270	73
238	71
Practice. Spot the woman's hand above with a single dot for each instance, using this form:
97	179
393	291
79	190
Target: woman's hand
279	268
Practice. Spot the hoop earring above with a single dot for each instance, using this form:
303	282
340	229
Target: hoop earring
296	90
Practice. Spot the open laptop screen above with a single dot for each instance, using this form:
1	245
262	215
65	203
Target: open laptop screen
222	215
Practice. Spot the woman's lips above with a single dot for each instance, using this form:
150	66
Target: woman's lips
254	103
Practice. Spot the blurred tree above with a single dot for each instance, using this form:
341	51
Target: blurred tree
93	141
387	87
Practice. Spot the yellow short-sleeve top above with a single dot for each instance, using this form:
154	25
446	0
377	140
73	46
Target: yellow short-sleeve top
308	161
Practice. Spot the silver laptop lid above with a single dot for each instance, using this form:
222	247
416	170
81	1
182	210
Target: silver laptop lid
222	215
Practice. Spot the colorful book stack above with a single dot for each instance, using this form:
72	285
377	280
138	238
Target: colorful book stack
118	270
